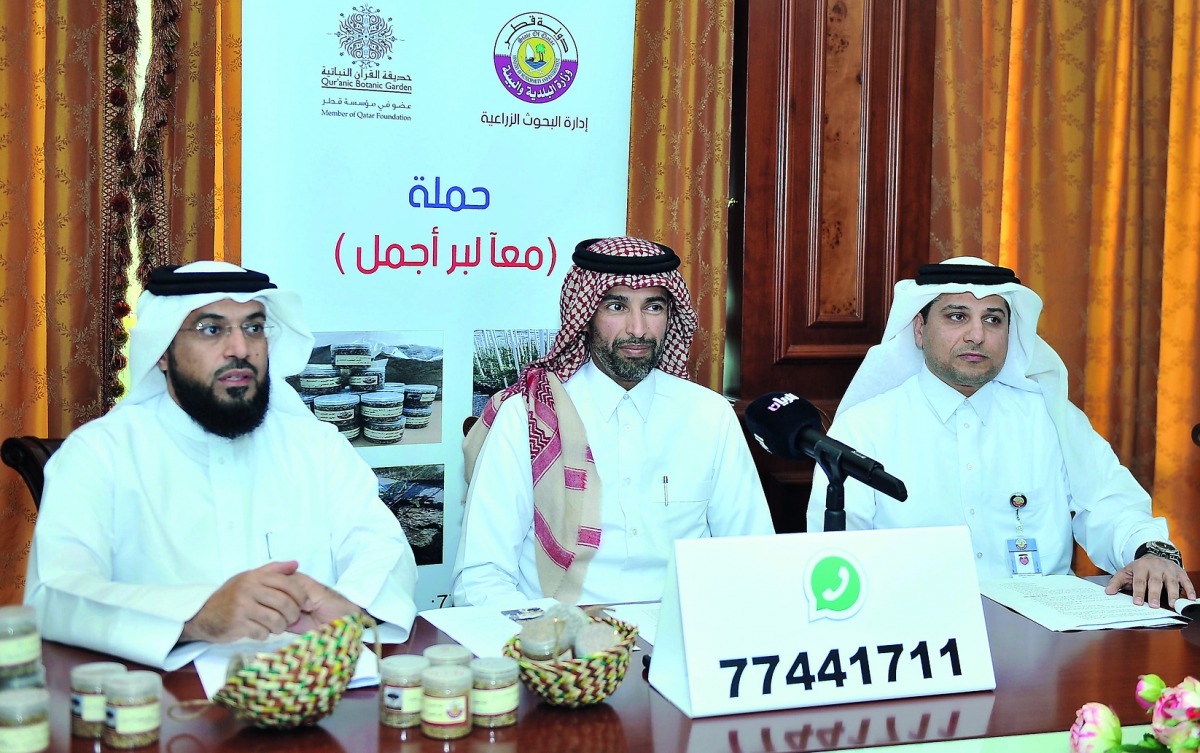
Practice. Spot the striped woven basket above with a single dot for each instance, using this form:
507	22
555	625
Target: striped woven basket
577	682
301	683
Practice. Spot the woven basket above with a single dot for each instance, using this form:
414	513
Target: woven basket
577	682
301	683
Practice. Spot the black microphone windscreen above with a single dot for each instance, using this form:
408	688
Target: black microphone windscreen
777	419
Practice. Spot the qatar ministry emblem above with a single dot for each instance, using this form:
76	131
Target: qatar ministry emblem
366	36
536	58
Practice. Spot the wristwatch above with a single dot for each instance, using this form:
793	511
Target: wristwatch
1164	549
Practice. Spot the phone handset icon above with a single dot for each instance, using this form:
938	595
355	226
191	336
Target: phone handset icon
832	594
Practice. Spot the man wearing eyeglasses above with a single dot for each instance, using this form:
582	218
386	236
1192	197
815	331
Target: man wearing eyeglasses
210	505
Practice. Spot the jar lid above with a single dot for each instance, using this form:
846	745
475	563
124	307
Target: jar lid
495	668
402	666
446	678
319	369
336	400
418	412
381	398
357	348
420	388
448	653
133	686
91	676
17	616
394	386
24	702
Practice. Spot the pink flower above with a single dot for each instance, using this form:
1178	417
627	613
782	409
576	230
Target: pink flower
1149	688
1175	720
1096	729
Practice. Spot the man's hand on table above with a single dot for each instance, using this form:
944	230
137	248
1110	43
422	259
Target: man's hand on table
1147	576
270	599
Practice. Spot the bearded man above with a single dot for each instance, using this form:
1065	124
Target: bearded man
210	505
965	403
579	487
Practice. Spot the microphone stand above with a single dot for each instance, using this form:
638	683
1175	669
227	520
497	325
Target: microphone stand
830	459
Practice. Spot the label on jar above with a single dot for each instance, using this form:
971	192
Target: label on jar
28	738
426	398
319	383
495	701
444	712
390	435
20	650
134	720
372	411
334	414
88	706
365	380
400	698
352	360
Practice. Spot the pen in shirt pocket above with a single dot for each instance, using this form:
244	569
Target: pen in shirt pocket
665	498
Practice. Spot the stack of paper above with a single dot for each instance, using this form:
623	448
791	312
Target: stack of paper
1064	602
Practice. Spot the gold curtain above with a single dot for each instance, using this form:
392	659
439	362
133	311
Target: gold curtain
679	153
202	141
1059	148
51	317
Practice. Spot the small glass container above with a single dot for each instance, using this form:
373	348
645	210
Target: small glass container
417	418
25	720
419	395
133	709
441	654
35	679
494	691
335	408
367	380
87	697
381	406
445	704
20	642
400	690
384	432
596	637
540	638
317	379
353	356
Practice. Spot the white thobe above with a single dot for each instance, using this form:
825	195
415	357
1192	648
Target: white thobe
145	515
963	459
673	464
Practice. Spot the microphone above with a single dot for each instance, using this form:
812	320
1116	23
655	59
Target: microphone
789	426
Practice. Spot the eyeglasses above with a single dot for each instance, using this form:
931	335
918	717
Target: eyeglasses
254	330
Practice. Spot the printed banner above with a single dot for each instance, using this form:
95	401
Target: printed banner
421	173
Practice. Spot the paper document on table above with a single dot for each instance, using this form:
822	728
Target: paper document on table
484	630
1065	602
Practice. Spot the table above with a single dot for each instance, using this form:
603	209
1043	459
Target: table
1042	677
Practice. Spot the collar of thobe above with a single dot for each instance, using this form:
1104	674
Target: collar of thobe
945	400
607	395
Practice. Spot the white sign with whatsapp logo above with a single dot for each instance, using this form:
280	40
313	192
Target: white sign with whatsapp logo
773	622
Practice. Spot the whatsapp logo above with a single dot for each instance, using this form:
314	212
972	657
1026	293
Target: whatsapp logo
834	585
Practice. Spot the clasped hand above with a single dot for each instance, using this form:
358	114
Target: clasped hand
1147	576
270	599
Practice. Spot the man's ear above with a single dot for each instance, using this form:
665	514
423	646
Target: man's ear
162	362
918	331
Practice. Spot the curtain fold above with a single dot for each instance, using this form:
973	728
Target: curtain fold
52	268
679	154
1060	145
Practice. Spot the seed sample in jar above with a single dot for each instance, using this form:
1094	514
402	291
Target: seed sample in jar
400	690
24	720
352	356
419	395
445	705
317	379
132	708
417	418
87	697
20	645
494	691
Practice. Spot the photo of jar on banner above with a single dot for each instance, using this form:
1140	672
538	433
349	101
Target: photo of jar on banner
377	388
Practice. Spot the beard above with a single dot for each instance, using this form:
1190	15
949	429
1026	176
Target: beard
625	369
230	418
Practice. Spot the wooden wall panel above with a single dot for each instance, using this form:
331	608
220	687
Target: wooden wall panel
835	133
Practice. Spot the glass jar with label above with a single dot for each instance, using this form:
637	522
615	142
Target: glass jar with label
448	653
25	720
400	690
494	691
132	708
445	704
20	644
87	697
